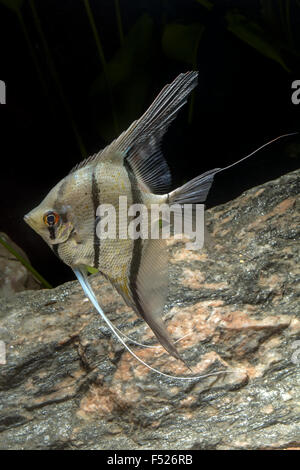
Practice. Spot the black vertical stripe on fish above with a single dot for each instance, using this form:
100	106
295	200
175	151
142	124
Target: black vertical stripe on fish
96	203
55	249
51	229
61	190
156	324
57	206
137	243
60	195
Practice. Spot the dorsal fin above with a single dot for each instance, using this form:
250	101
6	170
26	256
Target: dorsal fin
140	143
86	162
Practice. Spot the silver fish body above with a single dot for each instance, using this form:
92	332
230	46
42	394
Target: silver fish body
136	268
134	167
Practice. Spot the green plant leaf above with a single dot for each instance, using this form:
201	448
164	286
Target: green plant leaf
129	74
25	263
206	3
180	42
136	47
92	270
254	35
12	4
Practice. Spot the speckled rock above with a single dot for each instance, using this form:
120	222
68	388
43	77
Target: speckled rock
67	384
14	277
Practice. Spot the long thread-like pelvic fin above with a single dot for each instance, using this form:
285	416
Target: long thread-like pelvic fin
88	286
82	278
143	345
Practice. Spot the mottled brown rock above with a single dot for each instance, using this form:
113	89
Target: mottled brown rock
14	277
68	384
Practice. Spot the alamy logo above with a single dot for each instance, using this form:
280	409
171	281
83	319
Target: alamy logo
2	92
296	94
159	221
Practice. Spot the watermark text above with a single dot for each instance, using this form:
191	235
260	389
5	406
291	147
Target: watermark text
156	221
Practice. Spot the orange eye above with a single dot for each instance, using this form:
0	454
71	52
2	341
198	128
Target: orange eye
51	218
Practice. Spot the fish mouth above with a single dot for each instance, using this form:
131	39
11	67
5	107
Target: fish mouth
28	219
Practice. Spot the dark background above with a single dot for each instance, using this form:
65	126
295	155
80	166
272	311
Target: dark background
76	76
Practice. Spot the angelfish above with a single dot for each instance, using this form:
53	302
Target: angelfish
131	166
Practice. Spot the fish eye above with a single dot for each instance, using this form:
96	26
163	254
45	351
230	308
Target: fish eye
51	218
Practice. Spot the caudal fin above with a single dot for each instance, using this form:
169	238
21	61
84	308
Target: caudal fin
195	191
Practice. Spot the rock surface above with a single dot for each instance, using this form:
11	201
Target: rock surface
14	277
68	384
